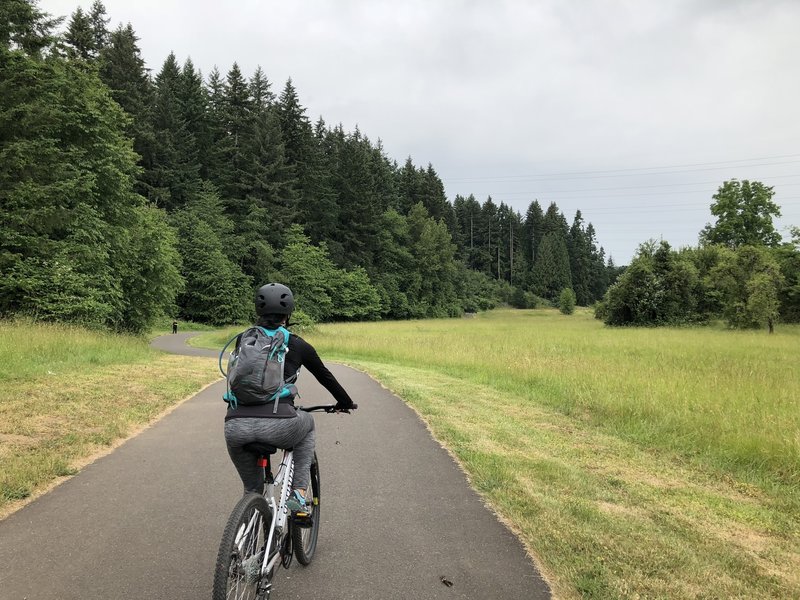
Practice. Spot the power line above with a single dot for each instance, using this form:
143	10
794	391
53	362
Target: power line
660	207
636	170
630	187
503	196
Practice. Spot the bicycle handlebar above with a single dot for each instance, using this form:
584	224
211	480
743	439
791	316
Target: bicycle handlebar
328	408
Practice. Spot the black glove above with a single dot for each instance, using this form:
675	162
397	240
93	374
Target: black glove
342	407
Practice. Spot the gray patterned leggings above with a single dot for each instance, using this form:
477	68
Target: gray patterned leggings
295	432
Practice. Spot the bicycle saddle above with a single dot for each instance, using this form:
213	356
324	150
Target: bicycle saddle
259	448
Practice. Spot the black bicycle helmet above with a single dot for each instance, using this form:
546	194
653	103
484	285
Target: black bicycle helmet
274	299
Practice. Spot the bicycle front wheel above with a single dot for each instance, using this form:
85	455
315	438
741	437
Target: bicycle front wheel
304	538
237	575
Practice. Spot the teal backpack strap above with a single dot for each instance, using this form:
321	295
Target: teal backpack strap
230	398
283	392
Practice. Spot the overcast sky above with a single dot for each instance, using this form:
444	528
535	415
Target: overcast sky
632	111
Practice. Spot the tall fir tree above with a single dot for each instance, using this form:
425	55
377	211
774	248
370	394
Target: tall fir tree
174	176
72	231
123	70
79	36
580	261
261	91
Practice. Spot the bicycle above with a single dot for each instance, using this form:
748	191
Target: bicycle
261	533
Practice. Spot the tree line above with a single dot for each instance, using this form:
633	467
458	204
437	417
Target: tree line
127	195
741	271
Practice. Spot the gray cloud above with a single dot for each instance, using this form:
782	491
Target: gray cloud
493	91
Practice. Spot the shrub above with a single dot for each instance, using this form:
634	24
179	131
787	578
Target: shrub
566	301
302	322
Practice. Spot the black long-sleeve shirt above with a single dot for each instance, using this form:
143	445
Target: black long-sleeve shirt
300	353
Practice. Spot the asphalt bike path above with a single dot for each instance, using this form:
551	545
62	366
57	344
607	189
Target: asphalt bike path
145	521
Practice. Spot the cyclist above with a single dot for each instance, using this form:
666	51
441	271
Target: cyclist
286	428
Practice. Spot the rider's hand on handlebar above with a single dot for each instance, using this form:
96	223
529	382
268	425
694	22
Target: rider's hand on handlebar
345	409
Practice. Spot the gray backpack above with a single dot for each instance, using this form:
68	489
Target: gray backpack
256	367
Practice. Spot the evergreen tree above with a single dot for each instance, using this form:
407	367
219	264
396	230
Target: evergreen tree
489	237
122	70
87	33
359	205
150	273
261	91
173	178
71	221
580	261
468	217
24	27
193	109
236	127
435	200
408	187
384	178
216	290
395	277
599	271
319	208
269	183
434	255
79	36
98	18
551	272
534	219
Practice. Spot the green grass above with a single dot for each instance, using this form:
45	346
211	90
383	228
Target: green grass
31	350
649	463
728	399
67	393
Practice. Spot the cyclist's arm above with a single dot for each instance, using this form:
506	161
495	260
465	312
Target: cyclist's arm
312	362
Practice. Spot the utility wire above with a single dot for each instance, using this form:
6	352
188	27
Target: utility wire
502	195
629	187
646	207
633	171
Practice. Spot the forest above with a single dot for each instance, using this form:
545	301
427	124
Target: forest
127	196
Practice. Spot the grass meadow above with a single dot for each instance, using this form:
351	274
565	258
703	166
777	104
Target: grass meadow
67	394
633	463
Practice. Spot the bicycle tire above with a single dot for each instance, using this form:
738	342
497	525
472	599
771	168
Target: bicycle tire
238	562
304	539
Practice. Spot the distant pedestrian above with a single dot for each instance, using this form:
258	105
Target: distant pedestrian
174	327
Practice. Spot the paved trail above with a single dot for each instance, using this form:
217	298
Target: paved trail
145	521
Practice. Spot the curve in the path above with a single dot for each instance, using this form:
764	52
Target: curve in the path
144	522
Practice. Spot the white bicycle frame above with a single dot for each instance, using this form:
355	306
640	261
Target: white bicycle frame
280	512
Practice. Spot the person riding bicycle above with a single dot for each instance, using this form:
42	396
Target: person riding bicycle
286	427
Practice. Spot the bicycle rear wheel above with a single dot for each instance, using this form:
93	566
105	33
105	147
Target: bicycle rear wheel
304	539
237	575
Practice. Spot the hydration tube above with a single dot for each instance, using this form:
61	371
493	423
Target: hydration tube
222	353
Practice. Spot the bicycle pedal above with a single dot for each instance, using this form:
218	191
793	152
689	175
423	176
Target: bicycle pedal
302	519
